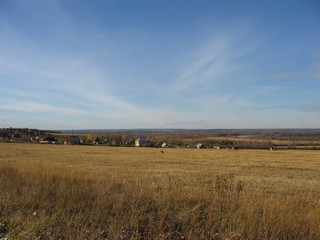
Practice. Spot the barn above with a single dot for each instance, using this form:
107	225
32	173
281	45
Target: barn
140	142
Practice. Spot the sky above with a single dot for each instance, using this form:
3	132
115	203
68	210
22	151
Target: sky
204	64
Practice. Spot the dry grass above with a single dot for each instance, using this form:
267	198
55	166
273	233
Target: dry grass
89	192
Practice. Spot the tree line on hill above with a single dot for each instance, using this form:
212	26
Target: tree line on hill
23	134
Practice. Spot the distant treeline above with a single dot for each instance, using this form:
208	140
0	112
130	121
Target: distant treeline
212	138
8	133
266	134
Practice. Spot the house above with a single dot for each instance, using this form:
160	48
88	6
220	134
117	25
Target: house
141	142
51	139
131	142
200	145
16	135
74	140
97	141
115	143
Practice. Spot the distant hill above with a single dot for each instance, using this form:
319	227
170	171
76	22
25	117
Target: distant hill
267	134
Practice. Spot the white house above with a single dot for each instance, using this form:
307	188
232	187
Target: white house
200	145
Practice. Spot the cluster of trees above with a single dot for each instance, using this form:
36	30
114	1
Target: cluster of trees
238	144
26	135
109	139
272	134
8	133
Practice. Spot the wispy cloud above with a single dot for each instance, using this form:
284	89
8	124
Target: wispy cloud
313	106
212	63
217	57
190	123
35	107
310	71
307	106
106	73
316	64
75	76
294	75
208	65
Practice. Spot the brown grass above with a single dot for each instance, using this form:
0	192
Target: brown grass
89	192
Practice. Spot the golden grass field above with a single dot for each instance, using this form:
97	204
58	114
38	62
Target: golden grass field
94	192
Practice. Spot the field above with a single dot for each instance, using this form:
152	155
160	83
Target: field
99	192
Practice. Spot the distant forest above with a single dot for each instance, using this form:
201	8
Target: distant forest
9	133
266	134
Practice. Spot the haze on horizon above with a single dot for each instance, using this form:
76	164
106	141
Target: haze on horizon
67	64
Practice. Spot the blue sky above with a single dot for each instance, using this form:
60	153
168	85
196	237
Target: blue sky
67	64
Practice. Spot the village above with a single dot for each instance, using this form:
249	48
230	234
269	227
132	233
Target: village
115	140
164	139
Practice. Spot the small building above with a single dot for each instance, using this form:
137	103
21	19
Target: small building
97	141
200	145
16	135
141	142
74	140
48	140
116	143
131	142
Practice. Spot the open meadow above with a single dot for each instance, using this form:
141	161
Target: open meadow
98	192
